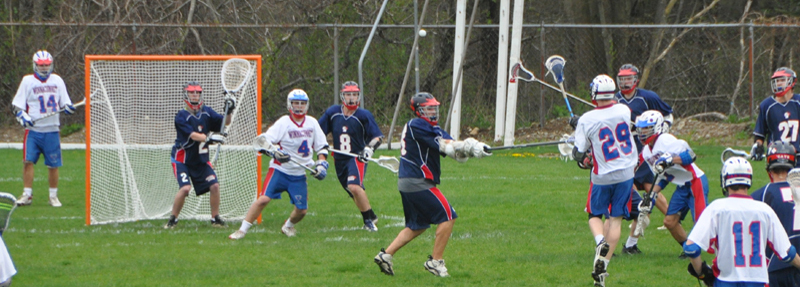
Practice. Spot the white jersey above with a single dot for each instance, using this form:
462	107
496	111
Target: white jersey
6	265
677	174
731	227
298	140
607	132
38	98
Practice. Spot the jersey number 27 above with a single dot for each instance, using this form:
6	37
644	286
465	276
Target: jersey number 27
788	130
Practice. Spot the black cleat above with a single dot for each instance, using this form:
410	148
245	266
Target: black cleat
217	222
173	221
632	250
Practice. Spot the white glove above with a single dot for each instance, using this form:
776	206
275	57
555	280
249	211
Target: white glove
663	162
322	169
480	150
24	119
757	152
215	138
365	154
69	109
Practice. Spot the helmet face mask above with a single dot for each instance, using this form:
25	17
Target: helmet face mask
735	171
297	103
42	64
426	107
628	78
193	95
350	95
782	81
650	125
603	88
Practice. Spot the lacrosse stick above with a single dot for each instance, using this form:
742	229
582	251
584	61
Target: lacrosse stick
555	66
234	75
50	114
388	162
729	153
793	178
645	208
260	144
518	71
565	149
7	205
568	141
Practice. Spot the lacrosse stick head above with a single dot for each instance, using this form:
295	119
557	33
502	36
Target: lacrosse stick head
261	144
736	171
519	72
793	178
7	205
729	153
555	66
565	149
642	222
235	74
389	162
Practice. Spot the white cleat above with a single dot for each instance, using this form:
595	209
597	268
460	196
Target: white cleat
237	235
25	200
436	267
384	261
289	231
54	202
369	225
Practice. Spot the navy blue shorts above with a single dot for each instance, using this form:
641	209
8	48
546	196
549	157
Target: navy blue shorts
47	144
425	207
201	177
643	175
785	277
276	182
350	171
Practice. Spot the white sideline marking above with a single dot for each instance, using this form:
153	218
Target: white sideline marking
35	179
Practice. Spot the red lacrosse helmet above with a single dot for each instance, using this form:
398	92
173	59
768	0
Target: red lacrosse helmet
426	107
193	87
782	81
627	78
348	88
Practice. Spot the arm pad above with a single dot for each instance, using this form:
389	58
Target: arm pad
790	255
687	157
375	143
692	250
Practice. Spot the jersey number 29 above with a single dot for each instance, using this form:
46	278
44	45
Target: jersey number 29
621	135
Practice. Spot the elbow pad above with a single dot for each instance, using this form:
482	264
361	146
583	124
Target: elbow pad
687	157
790	255
375	143
692	250
323	151
578	156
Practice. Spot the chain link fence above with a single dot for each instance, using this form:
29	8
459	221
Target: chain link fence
707	68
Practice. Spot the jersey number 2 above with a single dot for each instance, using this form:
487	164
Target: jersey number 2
755	235
50	103
621	135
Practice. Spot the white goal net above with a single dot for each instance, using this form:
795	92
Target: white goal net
130	121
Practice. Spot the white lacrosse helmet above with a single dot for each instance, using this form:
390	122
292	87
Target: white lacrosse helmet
42	57
736	171
603	88
650	124
297	95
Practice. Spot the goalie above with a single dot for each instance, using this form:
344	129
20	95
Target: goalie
424	204
737	229
195	126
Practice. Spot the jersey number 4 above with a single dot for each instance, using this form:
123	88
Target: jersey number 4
788	130
616	141
50	103
755	236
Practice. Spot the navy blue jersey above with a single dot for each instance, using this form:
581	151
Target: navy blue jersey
186	150
778	196
643	100
350	133
779	122
419	152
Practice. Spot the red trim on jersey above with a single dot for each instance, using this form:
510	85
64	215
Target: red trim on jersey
712	246
361	166
174	170
267	178
606	106
446	205
595	166
589	199
697	192
426	171
300	125
630	201
209	164
24	145
180	156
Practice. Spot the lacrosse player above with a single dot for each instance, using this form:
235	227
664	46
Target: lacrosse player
290	141
778	115
355	131
737	229
197	126
423	203
7	269
640	100
778	195
603	144
38	94
673	161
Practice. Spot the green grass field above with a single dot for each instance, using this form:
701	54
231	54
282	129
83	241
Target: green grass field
521	223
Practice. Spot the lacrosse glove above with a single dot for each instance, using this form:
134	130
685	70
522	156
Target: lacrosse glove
757	152
280	155
573	122
231	103
365	154
322	169
213	138
69	109
663	162
24	119
707	275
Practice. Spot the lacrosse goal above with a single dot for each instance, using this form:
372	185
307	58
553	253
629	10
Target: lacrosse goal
130	129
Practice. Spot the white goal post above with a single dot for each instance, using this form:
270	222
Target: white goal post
131	103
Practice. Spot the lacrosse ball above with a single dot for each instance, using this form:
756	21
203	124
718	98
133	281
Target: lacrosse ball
422	33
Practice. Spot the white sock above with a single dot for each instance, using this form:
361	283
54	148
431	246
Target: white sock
631	241
28	191
289	223
245	226
598	239
53	192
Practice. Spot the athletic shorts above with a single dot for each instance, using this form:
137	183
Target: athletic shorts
785	277
425	207
276	182
643	175
613	198
47	144
350	171
201	177
692	195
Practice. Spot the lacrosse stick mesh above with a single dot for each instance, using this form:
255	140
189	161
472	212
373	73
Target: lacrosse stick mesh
7	205
130	133
565	149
